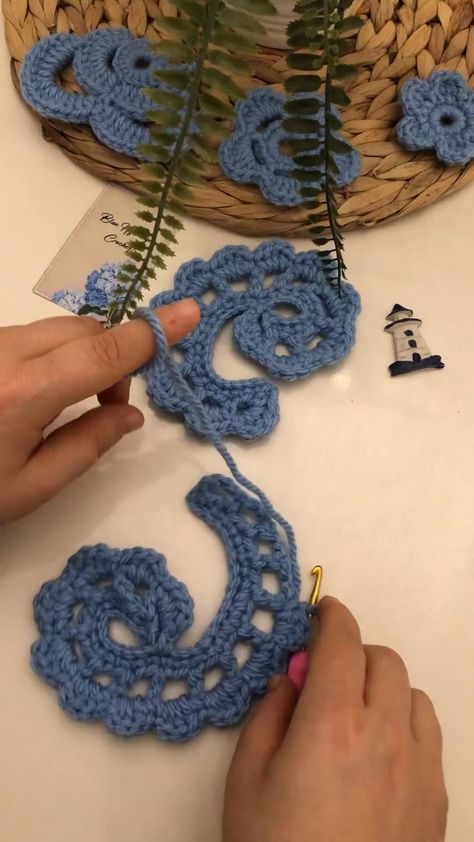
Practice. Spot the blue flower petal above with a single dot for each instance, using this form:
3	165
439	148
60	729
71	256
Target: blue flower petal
348	166
454	148
417	98
415	133
238	158
449	88
261	106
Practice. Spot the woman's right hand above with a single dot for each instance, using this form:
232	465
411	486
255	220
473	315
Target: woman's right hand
357	758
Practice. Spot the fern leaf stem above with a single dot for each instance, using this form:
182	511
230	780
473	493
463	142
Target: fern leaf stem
330	207
207	29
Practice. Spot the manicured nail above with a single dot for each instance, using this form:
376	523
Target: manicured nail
298	669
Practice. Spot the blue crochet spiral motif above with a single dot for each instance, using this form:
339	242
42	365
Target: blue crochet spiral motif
238	280
439	115
252	154
112	67
99	678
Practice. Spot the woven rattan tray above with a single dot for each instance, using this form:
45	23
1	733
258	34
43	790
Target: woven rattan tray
398	40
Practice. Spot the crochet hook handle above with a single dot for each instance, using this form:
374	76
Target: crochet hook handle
299	661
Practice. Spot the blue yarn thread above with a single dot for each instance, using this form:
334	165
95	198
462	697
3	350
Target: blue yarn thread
249	408
99	679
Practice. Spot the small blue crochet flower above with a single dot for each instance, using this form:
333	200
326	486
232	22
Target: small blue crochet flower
70	299
112	67
439	115
252	154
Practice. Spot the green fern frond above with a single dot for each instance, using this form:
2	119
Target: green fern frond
317	39
186	126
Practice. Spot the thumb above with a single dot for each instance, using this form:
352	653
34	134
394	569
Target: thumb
73	448
265	730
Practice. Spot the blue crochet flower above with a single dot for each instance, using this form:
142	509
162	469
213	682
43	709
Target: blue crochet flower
125	685
439	115
252	154
112	67
287	318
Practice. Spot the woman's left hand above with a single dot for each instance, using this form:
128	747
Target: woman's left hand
52	364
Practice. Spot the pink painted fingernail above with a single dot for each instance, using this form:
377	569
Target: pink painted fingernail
297	669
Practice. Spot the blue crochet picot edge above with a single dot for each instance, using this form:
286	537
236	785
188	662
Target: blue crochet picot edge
97	677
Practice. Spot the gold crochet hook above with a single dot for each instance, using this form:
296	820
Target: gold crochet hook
311	607
317	572
298	663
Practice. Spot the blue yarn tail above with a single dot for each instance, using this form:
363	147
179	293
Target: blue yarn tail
202	423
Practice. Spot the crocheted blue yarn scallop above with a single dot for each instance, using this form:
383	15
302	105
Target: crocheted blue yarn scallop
112	67
125	686
439	115
252	154
287	318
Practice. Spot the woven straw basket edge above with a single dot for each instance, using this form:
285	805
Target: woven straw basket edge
398	40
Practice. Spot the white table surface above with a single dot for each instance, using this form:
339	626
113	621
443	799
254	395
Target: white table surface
376	475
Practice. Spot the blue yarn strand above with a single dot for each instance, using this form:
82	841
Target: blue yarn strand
203	424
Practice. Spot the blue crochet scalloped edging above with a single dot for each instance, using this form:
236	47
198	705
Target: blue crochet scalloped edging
319	330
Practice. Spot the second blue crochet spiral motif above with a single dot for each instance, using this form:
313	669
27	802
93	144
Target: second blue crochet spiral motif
286	317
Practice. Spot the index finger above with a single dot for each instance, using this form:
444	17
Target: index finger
93	364
337	664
